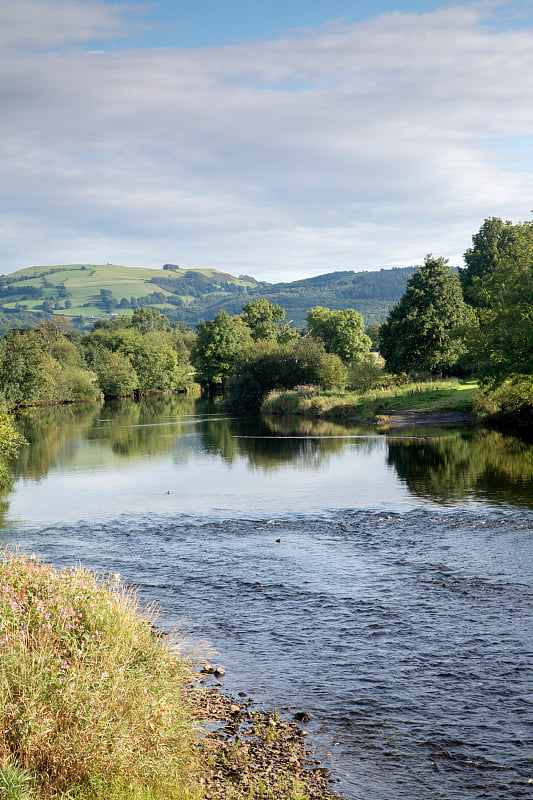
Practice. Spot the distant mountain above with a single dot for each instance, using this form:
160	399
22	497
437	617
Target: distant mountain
84	292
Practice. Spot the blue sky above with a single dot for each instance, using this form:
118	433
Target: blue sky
163	23
277	139
221	22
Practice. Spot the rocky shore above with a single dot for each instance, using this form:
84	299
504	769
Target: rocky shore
254	753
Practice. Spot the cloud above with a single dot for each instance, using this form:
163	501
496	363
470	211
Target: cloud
350	146
45	24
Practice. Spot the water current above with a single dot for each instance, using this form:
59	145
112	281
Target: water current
396	609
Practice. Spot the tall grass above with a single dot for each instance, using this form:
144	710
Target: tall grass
424	396
93	705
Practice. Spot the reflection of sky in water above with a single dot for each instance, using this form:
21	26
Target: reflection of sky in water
99	484
140	460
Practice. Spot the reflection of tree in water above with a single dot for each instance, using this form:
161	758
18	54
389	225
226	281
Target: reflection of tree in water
270	444
450	466
51	431
147	427
130	428
483	464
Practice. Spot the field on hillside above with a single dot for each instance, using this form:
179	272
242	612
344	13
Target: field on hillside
83	292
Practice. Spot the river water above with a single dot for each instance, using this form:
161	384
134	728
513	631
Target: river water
396	608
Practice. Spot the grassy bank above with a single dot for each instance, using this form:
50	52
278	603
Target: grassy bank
94	705
436	397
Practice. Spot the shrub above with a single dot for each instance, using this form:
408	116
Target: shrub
366	373
511	401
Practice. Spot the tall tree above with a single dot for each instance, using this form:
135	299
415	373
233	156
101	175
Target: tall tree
263	318
495	243
502	343
425	331
218	342
341	332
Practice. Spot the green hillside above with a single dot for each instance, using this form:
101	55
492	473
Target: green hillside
84	292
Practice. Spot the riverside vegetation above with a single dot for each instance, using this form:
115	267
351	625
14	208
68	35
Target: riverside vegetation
95	704
475	324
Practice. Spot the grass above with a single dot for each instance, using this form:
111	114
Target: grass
84	284
93	706
421	396
96	705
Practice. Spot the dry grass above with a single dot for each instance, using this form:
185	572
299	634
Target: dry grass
92	704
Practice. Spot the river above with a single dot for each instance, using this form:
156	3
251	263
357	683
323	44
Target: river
396	609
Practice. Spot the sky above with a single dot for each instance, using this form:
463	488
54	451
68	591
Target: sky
276	139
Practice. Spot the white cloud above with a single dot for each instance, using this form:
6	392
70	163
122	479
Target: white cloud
44	24
356	145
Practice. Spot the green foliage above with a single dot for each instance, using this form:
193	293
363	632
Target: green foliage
502	343
341	332
11	442
149	319
497	243
265	365
373	332
218	343
365	373
15	783
510	401
155	361
263	318
72	384
138	354
24	363
426	331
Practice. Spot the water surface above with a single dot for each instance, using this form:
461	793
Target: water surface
396	608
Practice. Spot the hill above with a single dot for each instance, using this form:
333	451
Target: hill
84	292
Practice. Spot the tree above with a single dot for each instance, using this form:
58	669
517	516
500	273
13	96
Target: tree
341	332
266	365
373	332
495	243
116	375
425	331
149	319
23	367
263	318
217	345
156	363
502	343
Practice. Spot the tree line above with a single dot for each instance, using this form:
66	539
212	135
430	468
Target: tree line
476	321
138	354
53	363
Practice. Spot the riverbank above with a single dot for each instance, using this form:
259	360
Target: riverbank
435	402
256	754
96	704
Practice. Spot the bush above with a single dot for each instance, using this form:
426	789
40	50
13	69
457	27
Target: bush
267	365
511	401
74	385
366	373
